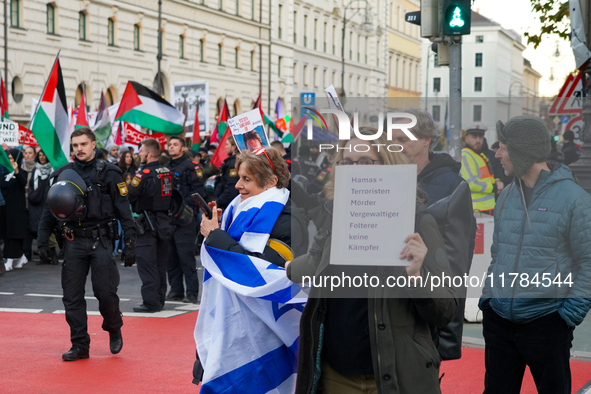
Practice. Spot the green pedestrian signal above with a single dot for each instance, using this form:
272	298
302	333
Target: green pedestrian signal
456	16
457	20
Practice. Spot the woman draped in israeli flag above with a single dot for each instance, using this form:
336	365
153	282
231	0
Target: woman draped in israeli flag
247	330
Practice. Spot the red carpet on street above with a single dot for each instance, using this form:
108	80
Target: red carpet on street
157	357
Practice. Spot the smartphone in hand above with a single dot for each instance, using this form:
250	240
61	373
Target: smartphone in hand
202	204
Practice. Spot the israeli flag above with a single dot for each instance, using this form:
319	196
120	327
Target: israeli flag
247	329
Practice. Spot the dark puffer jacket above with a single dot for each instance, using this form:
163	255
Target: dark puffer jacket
440	177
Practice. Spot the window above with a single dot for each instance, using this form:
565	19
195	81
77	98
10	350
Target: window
237	57
436	113
305	31
478	60
182	46
82	26
315	77
324	36
365	50
324	80
220	54
221	4
477	113
334	37
295	73
305	75
398	17
50	19
478	84
279	61
315	34
378	53
397	71
390	65
295	35
111	32
358	49
162	41
252	9
237	7
350	45
17	89
202	50
479	39
15	13
136	37
251	60
435	57
279	22
436	85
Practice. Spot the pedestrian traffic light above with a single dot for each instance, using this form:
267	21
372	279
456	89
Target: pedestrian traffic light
455	17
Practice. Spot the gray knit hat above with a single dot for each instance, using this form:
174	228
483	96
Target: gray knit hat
527	139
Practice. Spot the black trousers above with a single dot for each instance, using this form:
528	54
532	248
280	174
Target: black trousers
80	257
181	261
543	345
152	257
14	248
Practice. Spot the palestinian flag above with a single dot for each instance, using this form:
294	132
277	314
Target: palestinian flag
82	118
266	120
222	119
5	161
3	102
196	137
50	121
141	106
294	131
102	123
220	153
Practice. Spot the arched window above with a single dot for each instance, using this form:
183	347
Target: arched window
111	32
111	96
82	26
50	19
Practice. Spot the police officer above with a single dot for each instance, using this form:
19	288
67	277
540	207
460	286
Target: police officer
188	179
89	232
225	182
150	195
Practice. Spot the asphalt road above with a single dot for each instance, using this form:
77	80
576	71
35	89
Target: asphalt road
37	289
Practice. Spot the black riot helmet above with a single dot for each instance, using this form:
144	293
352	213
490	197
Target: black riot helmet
66	198
180	213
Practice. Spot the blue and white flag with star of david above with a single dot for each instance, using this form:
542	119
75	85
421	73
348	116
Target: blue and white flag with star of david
247	329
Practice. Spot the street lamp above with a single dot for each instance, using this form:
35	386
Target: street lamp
367	29
509	100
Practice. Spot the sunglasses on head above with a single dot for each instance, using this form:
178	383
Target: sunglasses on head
261	151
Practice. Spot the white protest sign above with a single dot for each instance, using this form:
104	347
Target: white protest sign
374	211
248	130
9	133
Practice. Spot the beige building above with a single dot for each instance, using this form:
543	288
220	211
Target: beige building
103	44
241	47
403	72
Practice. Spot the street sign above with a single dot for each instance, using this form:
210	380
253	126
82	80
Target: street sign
557	120
306	100
413	17
576	125
569	99
456	17
564	119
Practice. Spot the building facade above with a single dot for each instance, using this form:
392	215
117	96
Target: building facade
241	48
494	78
403	74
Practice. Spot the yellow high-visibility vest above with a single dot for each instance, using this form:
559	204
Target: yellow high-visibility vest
475	171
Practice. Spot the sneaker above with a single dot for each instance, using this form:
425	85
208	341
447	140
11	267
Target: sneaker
8	265
21	262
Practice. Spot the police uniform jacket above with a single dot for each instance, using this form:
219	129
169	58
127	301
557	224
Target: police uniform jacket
225	185
106	198
151	191
187	178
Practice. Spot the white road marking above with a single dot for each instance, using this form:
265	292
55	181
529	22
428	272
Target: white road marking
161	314
5	293
21	310
60	296
188	307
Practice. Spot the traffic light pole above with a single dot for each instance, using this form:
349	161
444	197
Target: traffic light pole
455	98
